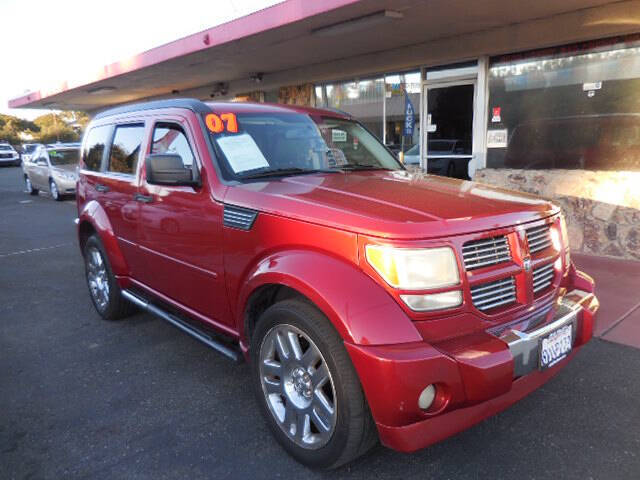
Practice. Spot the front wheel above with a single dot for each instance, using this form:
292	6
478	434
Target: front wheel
55	193
307	387
103	287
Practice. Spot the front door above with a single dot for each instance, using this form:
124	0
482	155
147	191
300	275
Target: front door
180	231
449	127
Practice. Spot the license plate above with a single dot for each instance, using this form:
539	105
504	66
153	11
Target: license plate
555	346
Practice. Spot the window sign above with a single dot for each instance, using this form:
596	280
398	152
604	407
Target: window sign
242	152
338	136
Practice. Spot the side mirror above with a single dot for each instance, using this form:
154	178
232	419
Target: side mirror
168	169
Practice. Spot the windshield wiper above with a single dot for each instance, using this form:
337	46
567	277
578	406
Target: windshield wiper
283	172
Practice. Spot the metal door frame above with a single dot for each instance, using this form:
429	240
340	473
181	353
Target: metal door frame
475	75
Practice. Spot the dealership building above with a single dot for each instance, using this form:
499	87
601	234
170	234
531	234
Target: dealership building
542	96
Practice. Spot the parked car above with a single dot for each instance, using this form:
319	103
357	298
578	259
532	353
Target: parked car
53	170
445	157
8	155
371	304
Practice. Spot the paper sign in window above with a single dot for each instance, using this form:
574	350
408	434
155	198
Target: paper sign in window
242	152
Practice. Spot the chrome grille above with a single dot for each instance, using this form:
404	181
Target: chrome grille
485	252
494	294
543	277
538	238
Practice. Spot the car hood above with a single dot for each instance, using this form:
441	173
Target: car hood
396	204
65	168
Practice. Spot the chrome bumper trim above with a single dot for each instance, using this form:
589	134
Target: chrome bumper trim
524	346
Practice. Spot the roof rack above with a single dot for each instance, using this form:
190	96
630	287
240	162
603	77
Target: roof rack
195	105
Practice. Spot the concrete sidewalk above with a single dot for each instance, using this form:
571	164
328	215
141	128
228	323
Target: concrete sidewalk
618	289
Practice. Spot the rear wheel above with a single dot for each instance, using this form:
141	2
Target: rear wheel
29	186
103	288
307	387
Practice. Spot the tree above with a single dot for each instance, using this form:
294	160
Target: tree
54	127
11	127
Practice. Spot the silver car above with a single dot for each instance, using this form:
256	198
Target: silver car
52	169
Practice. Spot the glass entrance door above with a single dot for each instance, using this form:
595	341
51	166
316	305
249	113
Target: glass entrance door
449	127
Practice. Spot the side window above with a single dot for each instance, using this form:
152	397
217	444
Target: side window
97	139
125	150
170	138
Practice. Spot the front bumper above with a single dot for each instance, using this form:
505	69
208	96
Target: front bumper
476	375
66	186
10	161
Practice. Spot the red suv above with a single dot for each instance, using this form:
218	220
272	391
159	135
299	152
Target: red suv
371	303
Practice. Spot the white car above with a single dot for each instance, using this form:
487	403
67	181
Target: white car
8	155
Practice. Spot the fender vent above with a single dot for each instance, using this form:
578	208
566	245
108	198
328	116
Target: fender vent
237	217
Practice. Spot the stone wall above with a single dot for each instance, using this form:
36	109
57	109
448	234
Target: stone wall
602	208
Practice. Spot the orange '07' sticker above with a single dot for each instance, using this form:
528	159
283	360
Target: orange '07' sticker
220	123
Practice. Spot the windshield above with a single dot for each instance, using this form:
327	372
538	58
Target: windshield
30	148
5	147
262	144
64	157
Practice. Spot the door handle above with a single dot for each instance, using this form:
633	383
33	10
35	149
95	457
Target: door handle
101	188
138	197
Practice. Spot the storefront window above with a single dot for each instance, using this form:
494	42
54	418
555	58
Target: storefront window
578	110
362	99
379	104
395	88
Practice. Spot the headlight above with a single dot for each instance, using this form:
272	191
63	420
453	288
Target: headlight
414	269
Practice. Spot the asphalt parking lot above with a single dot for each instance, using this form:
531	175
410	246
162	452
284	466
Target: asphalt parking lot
85	398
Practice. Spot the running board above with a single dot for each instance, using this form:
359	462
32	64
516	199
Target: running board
184	326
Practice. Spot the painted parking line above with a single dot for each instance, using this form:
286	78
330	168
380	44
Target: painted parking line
33	250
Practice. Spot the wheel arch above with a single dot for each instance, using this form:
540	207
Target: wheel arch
93	219
360	310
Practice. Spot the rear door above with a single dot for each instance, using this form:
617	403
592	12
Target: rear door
109	176
180	230
119	184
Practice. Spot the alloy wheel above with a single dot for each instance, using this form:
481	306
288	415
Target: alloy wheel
98	279
297	386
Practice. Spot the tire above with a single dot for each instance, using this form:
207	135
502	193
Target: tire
103	287
53	190
310	383
29	186
451	170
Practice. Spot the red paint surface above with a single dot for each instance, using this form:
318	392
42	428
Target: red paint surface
310	236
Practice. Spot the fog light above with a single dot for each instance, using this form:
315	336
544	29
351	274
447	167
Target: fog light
427	397
433	301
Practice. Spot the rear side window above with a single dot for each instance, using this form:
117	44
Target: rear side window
97	139
125	150
170	138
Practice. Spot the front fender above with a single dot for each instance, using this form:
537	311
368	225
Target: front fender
94	214
362	312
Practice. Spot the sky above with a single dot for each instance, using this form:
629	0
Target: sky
46	42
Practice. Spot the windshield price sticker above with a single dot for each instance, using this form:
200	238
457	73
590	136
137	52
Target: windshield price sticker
242	152
221	123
